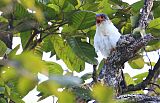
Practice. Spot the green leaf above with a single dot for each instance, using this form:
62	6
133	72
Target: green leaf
29	62
59	3
26	84
54	68
126	29
66	96
16	97
83	50
13	52
64	52
47	88
25	37
86	76
106	8
129	80
48	12
154	23
26	25
47	45
20	11
137	62
8	74
137	6
139	78
154	32
3	48
2	100
103	94
83	19
153	47
134	20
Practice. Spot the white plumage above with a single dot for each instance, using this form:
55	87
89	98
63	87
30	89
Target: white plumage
106	36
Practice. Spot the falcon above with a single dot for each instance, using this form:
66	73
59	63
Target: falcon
106	35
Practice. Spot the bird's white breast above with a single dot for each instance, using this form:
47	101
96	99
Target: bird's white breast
106	38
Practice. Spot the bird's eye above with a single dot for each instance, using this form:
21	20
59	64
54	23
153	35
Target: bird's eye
102	17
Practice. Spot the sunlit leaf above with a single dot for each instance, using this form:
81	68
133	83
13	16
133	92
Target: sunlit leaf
103	94
29	62
26	83
16	97
8	73
66	96
54	68
47	88
139	78
3	48
137	62
129	80
105	7
154	23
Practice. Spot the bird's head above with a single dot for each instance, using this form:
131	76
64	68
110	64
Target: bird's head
100	18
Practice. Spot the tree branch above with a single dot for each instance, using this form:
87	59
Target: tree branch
138	98
145	82
145	13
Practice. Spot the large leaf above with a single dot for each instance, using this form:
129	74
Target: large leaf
154	23
65	53
26	84
60	3
137	62
105	7
54	68
47	45
20	11
83	19
25	37
153	47
26	25
83	50
48	12
103	94
129	80
3	48
29	62
139	78
47	88
137	6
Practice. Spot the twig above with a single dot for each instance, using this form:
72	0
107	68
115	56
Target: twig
35	32
145	82
94	74
155	85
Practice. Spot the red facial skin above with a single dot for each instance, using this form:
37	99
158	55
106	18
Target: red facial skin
99	19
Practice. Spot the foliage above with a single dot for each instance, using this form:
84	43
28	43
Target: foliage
38	23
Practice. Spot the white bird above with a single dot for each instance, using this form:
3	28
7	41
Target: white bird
106	35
